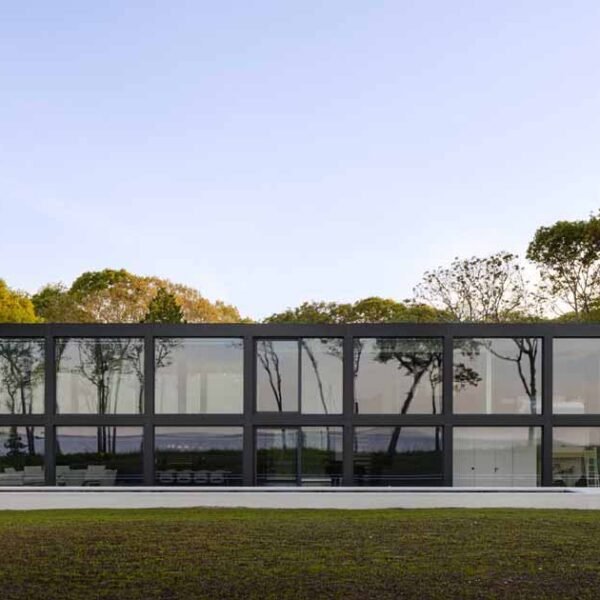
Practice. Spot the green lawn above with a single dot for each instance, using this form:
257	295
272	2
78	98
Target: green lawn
239	553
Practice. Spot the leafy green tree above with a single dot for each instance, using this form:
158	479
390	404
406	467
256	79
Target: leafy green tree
368	310
164	308
14	444
15	307
490	289
55	304
568	256
118	296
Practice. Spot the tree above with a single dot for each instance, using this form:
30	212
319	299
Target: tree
490	289
164	308
568	256
118	296
55	304
15	307
14	444
368	310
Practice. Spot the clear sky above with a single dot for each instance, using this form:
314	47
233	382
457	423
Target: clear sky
273	152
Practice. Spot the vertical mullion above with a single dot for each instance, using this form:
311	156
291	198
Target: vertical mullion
547	381
149	380
249	411
348	409
50	410
299	409
299	450
447	408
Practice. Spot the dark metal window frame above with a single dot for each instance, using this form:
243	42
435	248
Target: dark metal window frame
250	419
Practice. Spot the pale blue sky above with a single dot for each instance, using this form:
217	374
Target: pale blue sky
274	152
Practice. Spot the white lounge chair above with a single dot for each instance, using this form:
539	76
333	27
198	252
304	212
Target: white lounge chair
33	476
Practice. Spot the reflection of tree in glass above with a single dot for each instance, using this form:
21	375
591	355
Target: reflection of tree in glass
527	350
14	444
21	370
103	362
416	358
270	362
524	357
332	347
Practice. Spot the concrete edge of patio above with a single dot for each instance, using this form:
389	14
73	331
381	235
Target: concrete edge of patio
308	498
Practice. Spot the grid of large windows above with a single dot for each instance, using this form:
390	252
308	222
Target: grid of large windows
303	375
398	375
497	456
321	405
498	375
21	376
21	456
576	376
198	375
398	456
299	456
205	456
99	456
100	375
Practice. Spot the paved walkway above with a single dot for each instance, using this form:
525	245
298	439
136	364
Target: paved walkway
348	498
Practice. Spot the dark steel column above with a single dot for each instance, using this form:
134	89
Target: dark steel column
547	376
249	389
348	410
148	445
447	401
49	409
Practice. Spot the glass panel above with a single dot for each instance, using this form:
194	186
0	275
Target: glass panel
396	456
497	456
322	375
198	455
100	375
322	456
99	456
277	456
497	376
398	375
21	376
21	455
200	376
575	452
277	376
576	376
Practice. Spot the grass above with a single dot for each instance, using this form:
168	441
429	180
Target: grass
242	553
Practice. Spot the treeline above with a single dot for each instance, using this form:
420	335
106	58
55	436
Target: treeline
560	279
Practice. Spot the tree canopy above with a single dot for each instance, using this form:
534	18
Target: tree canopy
368	310
118	296
489	289
15	307
164	308
568	257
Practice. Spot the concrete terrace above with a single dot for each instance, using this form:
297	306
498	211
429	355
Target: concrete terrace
30	498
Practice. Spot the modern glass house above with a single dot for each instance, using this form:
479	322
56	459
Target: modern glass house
307	405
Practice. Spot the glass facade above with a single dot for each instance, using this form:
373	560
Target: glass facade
199	376
302	375
576	376
497	456
99	456
398	456
21	376
299	456
498	376
398	376
482	405
100	376
204	456
575	452
22	456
